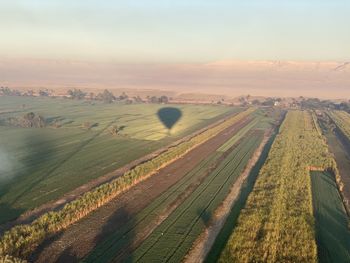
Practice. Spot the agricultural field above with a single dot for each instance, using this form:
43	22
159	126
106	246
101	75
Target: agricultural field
197	195
174	237
288	209
339	146
332	222
22	240
277	223
111	216
41	164
342	121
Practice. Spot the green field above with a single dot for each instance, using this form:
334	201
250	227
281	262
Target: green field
332	222
41	164
115	245
226	230
171	240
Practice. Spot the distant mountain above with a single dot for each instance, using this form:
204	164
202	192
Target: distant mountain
228	77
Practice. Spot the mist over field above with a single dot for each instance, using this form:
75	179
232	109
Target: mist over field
6	165
228	77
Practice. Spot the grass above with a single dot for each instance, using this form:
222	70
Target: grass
171	240
332	223
277	223
39	165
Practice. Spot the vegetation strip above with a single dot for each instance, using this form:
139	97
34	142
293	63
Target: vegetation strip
174	237
21	240
231	219
276	224
332	223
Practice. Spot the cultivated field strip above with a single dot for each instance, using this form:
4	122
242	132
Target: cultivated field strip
332	222
22	240
239	135
116	246
339	144
342	120
174	237
277	223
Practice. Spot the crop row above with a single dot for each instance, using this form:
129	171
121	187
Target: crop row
175	236
332	222
277	222
342	120
114	245
22	240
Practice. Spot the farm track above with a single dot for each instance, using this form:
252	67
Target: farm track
236	159
57	204
119	211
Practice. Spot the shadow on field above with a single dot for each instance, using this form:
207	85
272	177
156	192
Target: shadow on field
115	239
48	154
332	232
6	213
228	227
169	116
68	256
40	150
205	216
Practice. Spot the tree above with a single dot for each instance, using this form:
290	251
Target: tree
114	130
76	94
163	99
256	102
29	116
123	96
154	99
106	96
44	93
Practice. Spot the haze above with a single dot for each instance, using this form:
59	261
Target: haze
176	45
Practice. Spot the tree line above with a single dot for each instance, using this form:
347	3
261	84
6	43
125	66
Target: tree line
105	96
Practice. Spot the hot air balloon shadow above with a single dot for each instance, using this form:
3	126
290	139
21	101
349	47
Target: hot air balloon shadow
169	116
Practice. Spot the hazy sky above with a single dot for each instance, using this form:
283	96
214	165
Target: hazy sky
175	30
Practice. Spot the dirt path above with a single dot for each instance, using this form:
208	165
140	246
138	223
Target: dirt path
79	239
206	240
31	215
